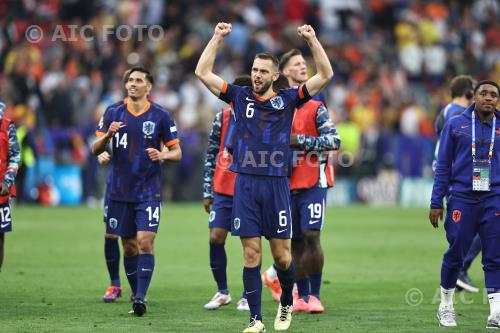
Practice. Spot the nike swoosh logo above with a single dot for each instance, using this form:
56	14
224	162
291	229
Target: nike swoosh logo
280	231
122	125
153	225
146	270
130	273
249	99
250	292
313	222
464	126
4	225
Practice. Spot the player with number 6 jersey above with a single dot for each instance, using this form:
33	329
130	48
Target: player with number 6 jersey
261	159
142	135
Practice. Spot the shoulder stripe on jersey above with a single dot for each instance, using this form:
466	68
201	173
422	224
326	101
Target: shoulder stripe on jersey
224	88
171	143
99	134
301	92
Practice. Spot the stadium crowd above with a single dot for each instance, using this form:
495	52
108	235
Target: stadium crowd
392	59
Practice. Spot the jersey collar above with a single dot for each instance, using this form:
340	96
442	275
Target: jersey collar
146	108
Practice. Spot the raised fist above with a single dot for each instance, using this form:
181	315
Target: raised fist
223	29
306	31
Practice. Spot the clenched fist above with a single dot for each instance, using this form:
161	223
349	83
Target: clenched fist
113	128
154	154
306	31
104	158
223	29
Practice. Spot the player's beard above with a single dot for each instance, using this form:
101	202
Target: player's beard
263	87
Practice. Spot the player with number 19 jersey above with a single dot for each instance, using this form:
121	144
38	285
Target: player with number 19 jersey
263	127
134	176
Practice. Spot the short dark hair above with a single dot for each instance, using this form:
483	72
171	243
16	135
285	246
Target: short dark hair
285	58
149	77
462	85
268	56
281	83
482	83
243	81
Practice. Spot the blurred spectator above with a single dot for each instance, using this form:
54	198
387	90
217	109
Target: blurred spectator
391	60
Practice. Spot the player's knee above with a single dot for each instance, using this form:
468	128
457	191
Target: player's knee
130	251
252	257
130	248
217	239
453	261
283	260
145	246
217	236
312	241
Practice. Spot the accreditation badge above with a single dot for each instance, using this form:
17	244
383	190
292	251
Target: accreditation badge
481	171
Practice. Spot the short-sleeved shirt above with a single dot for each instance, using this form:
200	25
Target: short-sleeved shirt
262	129
134	176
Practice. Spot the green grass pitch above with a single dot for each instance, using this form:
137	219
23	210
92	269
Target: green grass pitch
54	275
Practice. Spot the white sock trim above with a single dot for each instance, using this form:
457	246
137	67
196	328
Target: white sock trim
494	300
447	296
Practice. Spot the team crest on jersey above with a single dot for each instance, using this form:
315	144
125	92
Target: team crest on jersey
277	102
113	223
236	223
148	127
